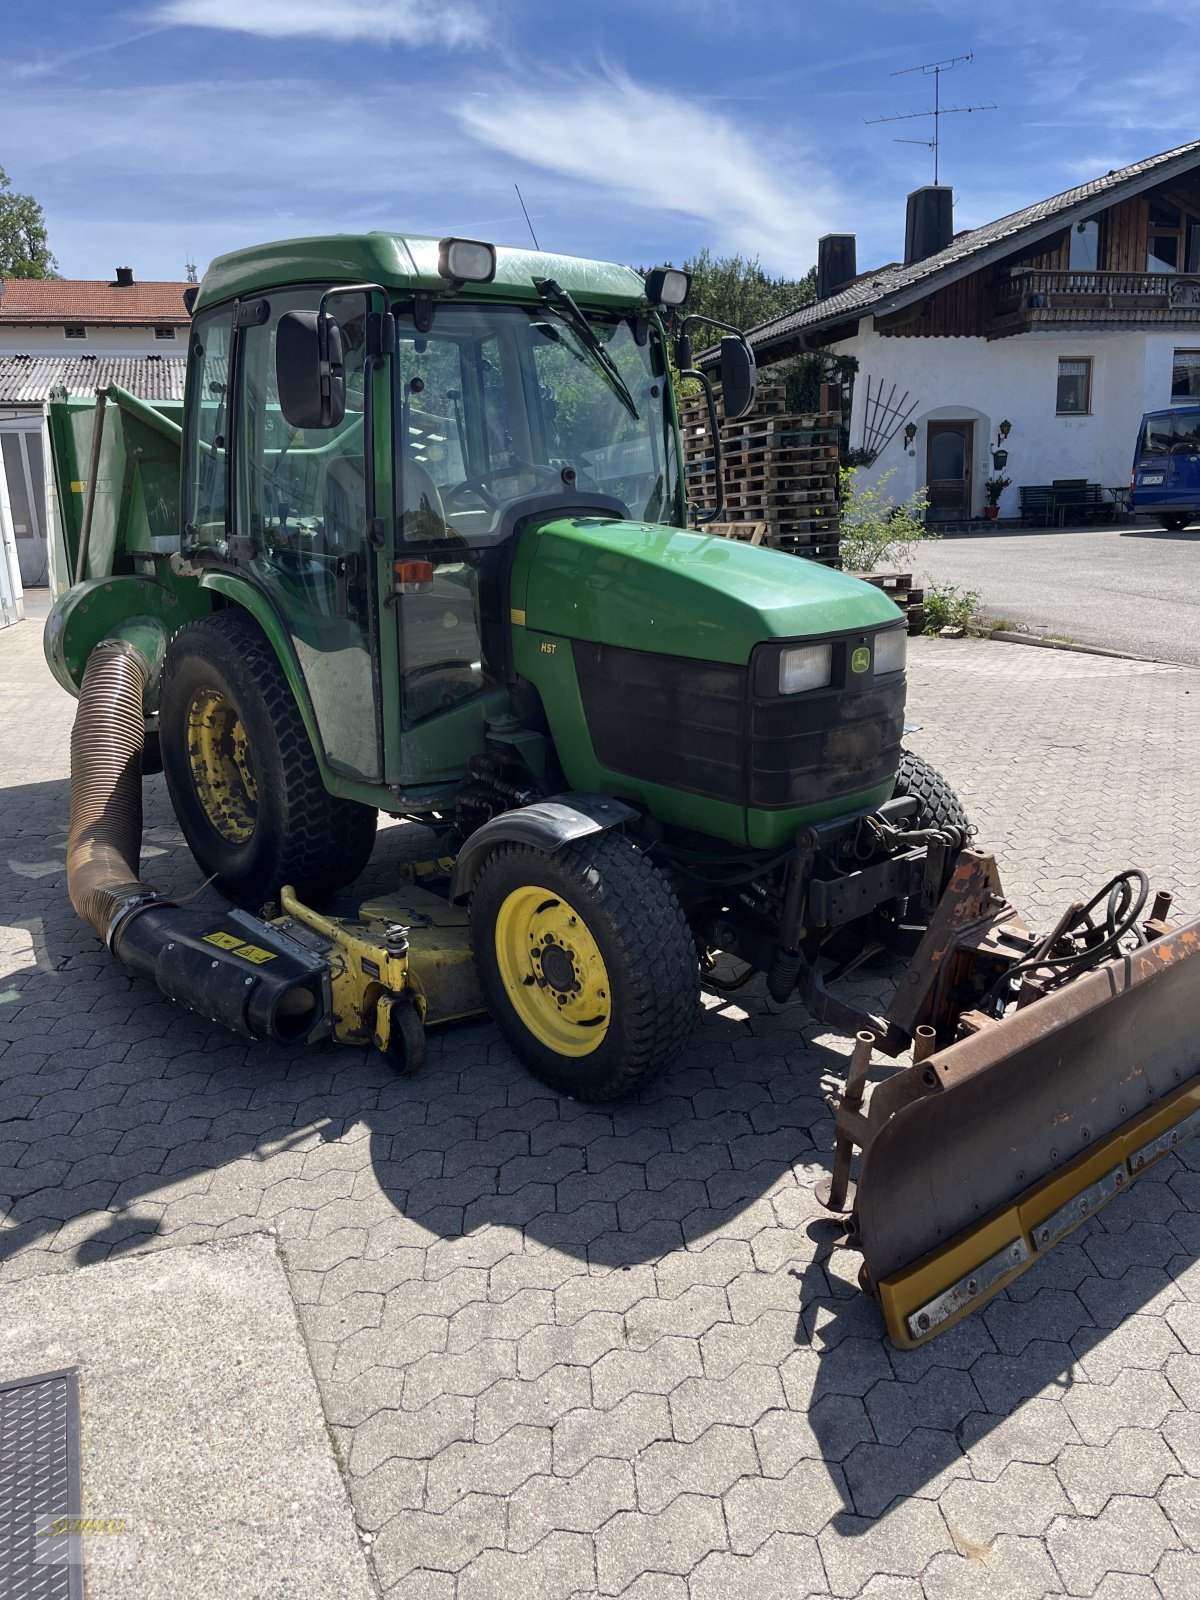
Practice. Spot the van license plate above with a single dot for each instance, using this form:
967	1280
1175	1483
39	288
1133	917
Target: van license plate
1152	477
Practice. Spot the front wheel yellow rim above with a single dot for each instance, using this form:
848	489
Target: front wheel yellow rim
553	971
222	771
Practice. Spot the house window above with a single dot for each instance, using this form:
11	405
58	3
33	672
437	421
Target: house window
1173	239
1074	387
1085	246
1185	375
164	333
74	331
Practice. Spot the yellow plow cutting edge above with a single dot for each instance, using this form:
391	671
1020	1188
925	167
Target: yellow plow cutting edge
979	1159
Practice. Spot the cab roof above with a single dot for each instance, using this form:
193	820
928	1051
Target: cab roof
407	263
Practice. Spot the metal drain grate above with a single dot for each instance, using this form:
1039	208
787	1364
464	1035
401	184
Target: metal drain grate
39	1482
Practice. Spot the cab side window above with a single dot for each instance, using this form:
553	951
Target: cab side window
206	519
304	492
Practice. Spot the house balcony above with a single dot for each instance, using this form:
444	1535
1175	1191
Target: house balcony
1026	298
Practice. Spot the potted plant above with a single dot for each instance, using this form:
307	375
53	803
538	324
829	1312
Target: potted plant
994	488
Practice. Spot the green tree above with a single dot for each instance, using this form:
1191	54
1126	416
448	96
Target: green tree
736	290
24	247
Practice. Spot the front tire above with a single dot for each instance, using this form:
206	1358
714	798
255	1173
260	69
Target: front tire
1174	524
587	964
939	806
241	772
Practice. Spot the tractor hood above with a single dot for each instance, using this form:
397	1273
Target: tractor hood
675	592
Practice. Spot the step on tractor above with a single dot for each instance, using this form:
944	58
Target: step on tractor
417	542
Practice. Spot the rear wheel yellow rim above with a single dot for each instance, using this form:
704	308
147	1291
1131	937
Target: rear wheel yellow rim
222	771
553	971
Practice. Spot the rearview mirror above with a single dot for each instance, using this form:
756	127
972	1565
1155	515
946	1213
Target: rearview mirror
310	371
739	377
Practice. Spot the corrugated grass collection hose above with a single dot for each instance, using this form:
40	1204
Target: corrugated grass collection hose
285	1000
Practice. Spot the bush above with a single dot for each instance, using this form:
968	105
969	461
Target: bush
875	530
949	607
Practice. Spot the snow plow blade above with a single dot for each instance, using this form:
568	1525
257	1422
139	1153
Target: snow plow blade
979	1158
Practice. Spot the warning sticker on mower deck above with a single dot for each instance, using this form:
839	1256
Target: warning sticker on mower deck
232	943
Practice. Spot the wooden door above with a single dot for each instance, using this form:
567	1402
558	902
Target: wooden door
948	470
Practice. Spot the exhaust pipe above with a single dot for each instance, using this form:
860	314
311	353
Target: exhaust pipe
234	969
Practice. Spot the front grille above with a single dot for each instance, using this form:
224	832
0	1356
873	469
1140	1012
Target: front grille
695	726
666	719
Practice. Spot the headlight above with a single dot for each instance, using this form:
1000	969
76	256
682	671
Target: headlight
807	666
891	651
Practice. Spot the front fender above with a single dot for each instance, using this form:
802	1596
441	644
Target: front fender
547	825
252	599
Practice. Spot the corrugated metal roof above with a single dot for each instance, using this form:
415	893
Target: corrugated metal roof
28	380
82	300
894	285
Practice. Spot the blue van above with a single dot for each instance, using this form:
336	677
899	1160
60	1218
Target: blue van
1166	467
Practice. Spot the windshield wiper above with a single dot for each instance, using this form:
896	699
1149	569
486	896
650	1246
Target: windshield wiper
553	294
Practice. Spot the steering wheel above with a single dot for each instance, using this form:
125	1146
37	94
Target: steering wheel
477	483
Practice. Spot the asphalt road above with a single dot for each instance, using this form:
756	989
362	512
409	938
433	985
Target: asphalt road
1135	589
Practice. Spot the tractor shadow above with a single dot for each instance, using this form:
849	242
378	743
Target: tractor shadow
114	1103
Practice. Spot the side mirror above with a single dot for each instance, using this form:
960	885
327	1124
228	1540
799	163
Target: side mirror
739	377
310	371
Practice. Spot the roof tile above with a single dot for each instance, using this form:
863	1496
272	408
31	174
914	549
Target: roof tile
43	300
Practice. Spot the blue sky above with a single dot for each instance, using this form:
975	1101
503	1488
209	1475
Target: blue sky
170	129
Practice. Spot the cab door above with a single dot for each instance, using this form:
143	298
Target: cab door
453	432
304	500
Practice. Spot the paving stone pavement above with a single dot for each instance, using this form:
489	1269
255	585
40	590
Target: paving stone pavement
567	1351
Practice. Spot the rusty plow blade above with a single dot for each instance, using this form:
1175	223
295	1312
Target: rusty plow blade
978	1159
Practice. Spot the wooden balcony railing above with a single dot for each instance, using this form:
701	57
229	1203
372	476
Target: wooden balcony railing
1027	295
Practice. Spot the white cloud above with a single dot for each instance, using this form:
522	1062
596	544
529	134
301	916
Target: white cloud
644	146
409	22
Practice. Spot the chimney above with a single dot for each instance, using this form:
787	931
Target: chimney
124	278
929	222
836	263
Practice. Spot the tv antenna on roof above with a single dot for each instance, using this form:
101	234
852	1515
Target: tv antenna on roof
190	268
933	69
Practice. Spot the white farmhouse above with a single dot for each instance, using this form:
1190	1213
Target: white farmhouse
78	335
1045	334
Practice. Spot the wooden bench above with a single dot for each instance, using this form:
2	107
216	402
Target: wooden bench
1065	501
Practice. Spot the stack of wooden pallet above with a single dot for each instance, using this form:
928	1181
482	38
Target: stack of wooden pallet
898	586
781	474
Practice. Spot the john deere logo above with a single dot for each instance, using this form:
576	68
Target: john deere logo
861	659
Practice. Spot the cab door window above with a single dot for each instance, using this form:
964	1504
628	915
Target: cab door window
206	463
302	514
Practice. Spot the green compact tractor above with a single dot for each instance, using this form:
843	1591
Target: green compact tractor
417	542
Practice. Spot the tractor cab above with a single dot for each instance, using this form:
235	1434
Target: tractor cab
366	455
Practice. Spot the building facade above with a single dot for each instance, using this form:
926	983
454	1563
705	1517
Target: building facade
77	335
1046	334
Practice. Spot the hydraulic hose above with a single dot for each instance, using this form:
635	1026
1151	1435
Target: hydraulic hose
235	969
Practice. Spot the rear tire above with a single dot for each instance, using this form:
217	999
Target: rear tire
587	964
1174	524
939	806
241	772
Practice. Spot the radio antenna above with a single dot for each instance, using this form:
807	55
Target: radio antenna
528	224
934	70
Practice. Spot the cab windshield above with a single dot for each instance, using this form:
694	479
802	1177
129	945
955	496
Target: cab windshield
497	404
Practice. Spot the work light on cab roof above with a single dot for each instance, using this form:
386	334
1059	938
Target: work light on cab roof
667	286
466	260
